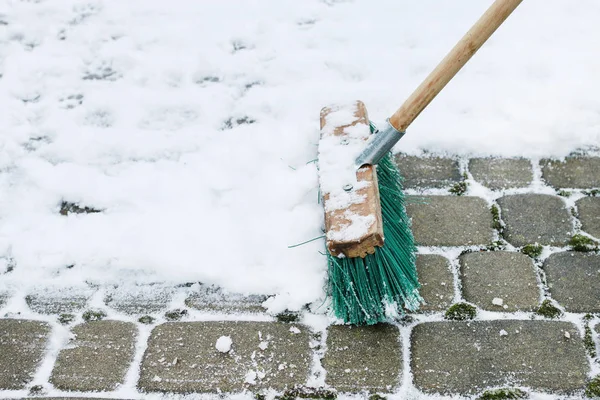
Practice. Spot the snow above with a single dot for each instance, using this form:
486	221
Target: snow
497	301
503	332
250	377
224	344
114	106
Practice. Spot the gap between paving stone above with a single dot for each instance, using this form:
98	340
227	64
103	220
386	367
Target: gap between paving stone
535	218
450	220
573	279
22	346
181	357
508	276
468	357
97	359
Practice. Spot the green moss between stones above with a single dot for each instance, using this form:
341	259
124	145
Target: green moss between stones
496	224
36	390
532	250
67	208
593	193
287	316
583	243
66	319
175	315
377	397
495	246
548	310
93	315
564	193
146	319
460	312
459	188
501	394
588	342
307	393
593	388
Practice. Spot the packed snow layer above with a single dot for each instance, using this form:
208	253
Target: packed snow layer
193	125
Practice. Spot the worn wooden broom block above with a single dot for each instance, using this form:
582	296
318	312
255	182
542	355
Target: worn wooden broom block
337	220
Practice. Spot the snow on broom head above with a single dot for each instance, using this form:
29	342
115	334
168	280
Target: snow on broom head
365	291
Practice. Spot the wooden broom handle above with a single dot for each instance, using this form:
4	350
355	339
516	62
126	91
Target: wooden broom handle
453	62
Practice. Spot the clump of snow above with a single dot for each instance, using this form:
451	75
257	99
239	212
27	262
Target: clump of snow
294	330
503	333
224	344
497	301
263	345
567	335
250	377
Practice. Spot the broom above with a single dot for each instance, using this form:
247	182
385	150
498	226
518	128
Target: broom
371	250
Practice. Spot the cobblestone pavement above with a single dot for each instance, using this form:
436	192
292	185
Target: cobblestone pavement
510	272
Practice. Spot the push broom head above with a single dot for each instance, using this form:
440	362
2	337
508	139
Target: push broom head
371	252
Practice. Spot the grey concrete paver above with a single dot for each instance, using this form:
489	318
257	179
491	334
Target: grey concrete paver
535	218
449	220
97	359
467	357
573	172
427	172
58	300
588	209
573	279
22	346
365	358
501	173
140	299
214	298
437	282
492	275
182	357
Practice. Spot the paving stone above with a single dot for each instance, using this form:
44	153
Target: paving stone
365	358
574	172
58	300
142	299
214	298
467	357
22	345
437	282
97	359
181	357
450	220
500	274
535	218
427	172
501	173
588	209
574	280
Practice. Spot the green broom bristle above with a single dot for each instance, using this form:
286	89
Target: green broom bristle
364	289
